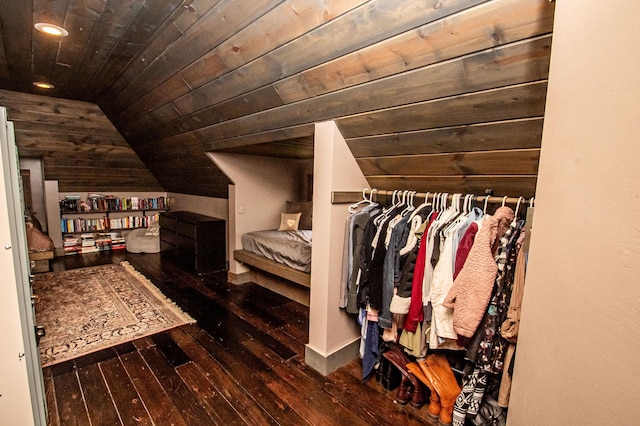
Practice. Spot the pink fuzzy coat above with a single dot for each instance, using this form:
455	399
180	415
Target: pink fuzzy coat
471	291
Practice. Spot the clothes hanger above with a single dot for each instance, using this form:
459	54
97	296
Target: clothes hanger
504	200
466	206
518	206
448	214
385	212
421	206
445	198
353	207
373	191
415	223
473	207
452	214
458	215
486	200
442	204
405	198
410	207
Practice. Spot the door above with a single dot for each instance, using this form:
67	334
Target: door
22	399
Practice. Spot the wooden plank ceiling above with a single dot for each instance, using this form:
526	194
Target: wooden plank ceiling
431	95
79	146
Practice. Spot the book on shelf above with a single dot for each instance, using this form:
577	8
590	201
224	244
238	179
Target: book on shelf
71	241
92	249
69	225
71	245
100	203
87	240
118	243
72	250
94	242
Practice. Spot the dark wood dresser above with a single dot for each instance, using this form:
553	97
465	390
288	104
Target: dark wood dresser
195	241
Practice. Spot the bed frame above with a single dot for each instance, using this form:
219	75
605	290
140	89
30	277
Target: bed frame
282	279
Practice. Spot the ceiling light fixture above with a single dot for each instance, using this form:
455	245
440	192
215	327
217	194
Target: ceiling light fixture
51	29
43	85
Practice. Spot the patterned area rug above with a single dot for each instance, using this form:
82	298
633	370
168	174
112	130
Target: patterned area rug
89	309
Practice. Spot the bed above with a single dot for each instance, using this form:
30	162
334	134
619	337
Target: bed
280	259
291	248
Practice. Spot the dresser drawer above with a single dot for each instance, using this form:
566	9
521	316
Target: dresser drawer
175	239
194	240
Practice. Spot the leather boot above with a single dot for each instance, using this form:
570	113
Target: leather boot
398	358
405	391
433	411
437	369
438	359
419	393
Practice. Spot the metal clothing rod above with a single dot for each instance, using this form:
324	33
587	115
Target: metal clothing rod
346	197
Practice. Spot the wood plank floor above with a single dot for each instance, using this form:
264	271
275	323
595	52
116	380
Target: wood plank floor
242	363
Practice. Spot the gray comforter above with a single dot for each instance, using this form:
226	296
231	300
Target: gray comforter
291	248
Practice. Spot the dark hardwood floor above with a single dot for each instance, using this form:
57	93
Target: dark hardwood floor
241	363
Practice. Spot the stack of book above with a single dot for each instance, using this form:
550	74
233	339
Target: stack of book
71	245
88	243
117	241
103	242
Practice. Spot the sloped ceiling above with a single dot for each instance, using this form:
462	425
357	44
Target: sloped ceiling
430	94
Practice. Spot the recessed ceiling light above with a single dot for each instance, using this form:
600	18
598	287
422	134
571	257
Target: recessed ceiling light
43	85
51	29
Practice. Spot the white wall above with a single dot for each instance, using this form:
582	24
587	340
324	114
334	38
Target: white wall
261	187
335	169
578	351
53	212
208	206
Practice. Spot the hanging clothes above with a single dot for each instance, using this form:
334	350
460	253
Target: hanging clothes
442	334
464	247
369	344
352	261
365	261
510	326
408	256
415	315
417	272
397	238
487	349
471	291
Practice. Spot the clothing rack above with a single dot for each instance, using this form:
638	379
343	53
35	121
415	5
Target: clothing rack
384	196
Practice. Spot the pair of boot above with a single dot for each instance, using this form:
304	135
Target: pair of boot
434	408
411	389
435	372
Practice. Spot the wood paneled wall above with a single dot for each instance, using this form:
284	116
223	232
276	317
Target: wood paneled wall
431	95
79	146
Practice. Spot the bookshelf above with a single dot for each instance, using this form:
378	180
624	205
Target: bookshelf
96	223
